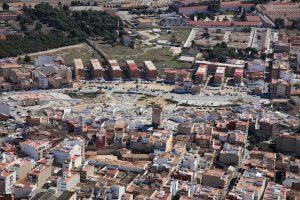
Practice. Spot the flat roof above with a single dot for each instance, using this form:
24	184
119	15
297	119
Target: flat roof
132	66
142	20
150	65
238	72
78	63
176	71
220	64
96	64
193	8
114	65
220	70
201	69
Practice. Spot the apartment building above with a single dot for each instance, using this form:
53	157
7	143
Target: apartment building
157	142
156	115
79	69
250	186
219	76
268	126
298	62
19	75
201	74
274	191
283	10
39	175
69	150
175	75
35	149
7	180
216	178
261	161
114	70
5	68
288	143
41	79
85	171
278	68
22	167
279	88
96	69
233	6
231	154
133	70
238	76
51	69
151	72
188	11
68	181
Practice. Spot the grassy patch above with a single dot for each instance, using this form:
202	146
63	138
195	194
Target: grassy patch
149	105
117	50
239	100
161	57
171	101
182	34
144	97
82	95
85	53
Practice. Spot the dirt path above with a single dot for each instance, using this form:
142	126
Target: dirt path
50	51
142	53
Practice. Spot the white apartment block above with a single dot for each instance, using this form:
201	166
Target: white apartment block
68	181
69	150
35	149
7	180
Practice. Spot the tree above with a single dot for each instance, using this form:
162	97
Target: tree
76	3
38	26
174	38
222	59
24	28
214	8
263	56
65	7
59	4
240	9
246	29
5	7
27	59
243	16
296	24
206	35
279	23
193	43
70	28
258	37
132	44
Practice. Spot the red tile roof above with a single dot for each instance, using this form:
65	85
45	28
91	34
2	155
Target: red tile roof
176	71
230	4
253	18
223	23
198	8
